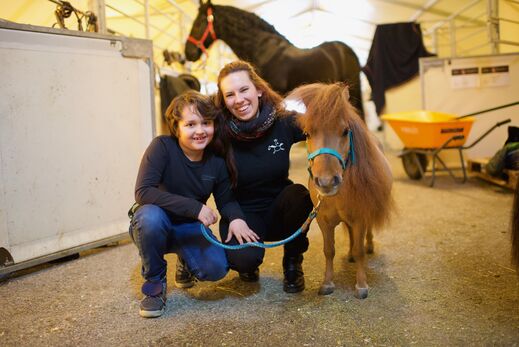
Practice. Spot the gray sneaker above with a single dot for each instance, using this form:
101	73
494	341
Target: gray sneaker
154	302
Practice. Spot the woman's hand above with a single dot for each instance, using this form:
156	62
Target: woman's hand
239	229
207	216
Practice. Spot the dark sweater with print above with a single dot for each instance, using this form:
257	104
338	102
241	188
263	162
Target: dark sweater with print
263	164
168	179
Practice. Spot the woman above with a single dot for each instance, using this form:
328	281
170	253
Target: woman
262	133
177	175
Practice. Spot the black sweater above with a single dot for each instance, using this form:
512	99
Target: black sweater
168	179
263	164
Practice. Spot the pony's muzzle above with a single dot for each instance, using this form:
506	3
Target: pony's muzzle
328	185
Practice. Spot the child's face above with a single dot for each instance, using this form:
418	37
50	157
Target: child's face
194	133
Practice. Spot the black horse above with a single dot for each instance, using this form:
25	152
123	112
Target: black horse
278	61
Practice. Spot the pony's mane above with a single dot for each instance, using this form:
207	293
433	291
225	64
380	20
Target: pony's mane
326	106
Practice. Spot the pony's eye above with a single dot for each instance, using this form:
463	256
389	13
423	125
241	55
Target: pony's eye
307	135
345	132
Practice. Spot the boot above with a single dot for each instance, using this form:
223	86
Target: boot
294	281
250	276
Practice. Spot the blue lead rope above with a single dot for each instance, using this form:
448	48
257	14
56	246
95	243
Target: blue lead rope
248	244
303	229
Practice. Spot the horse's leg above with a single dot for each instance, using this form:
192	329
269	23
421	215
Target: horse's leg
329	252
369	241
350	252
361	285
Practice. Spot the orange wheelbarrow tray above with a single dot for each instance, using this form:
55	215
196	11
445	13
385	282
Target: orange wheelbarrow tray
425	134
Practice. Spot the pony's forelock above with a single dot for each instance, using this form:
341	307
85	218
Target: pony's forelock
325	104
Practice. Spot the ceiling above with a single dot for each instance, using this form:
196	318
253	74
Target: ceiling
308	23
305	23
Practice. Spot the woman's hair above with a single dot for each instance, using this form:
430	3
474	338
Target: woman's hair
268	94
203	105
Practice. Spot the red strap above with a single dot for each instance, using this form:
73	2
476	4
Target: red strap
208	30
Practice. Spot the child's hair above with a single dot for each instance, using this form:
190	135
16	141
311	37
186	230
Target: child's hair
205	108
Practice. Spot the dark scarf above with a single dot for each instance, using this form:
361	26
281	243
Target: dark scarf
254	128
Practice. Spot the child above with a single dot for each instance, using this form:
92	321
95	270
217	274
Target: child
176	177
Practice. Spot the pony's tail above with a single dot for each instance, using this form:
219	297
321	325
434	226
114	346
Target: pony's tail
515	227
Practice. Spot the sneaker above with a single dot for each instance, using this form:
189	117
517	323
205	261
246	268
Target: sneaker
154	302
183	278
250	276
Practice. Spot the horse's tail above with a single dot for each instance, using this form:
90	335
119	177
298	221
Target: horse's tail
515	227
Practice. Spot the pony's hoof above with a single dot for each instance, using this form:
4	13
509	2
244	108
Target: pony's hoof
370	249
351	259
326	289
361	293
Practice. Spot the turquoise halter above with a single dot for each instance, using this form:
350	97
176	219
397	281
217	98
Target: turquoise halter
325	150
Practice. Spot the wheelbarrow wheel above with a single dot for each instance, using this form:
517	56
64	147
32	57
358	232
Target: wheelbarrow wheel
411	167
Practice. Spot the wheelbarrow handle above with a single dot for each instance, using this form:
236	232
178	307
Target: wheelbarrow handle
488	110
503	122
498	124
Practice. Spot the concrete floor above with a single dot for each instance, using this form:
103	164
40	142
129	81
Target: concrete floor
440	275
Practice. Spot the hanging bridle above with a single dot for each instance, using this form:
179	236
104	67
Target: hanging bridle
208	30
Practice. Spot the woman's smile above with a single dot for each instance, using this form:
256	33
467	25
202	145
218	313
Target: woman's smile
243	109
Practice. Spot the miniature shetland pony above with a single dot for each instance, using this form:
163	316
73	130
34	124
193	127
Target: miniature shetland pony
349	175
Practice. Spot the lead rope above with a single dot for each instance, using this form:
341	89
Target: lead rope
302	230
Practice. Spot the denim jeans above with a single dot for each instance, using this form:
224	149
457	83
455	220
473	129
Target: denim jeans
155	235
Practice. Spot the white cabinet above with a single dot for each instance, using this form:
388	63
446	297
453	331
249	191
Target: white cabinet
76	113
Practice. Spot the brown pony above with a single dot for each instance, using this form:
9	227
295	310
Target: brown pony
348	174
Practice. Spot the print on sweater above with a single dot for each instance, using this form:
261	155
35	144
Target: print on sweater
276	147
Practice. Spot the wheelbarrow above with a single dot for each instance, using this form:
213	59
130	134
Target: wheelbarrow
425	134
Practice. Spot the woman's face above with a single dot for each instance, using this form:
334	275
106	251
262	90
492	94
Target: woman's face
194	133
240	95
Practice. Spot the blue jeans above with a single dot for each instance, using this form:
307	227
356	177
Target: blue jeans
155	235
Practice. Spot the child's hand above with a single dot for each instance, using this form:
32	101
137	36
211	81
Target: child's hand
207	216
239	229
